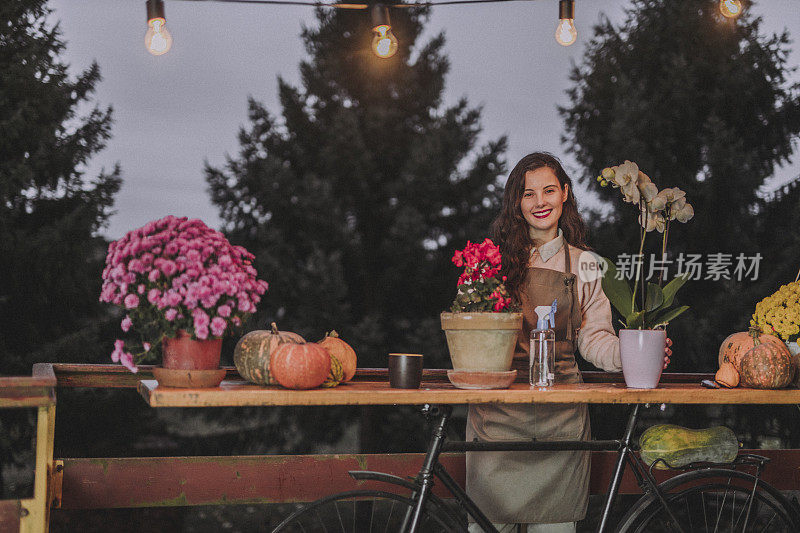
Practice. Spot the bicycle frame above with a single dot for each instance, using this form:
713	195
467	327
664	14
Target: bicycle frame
431	468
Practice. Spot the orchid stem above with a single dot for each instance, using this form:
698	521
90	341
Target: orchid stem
642	235
664	245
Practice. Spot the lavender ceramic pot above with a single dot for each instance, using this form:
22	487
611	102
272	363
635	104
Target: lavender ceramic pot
642	353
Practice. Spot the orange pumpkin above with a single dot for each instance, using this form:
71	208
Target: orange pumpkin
300	366
767	366
734	346
727	376
342	352
253	351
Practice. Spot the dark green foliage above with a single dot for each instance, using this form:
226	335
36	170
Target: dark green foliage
50	212
355	198
701	103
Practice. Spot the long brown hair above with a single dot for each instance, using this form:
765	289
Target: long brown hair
510	229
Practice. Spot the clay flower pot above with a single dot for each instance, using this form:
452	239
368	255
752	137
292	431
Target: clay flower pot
184	353
190	363
642	354
482	342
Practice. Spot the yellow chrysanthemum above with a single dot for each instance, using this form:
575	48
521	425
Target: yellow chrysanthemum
779	313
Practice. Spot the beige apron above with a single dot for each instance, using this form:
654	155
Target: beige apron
535	487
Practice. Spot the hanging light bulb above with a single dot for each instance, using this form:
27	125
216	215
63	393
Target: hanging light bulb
566	34
384	43
157	40
730	8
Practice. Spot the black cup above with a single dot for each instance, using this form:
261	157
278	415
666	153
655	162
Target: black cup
405	370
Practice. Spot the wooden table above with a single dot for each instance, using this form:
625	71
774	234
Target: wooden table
141	482
239	393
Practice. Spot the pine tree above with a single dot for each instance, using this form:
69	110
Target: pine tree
354	200
702	103
50	211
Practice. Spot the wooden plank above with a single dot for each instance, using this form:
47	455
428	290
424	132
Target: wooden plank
183	481
9	516
23	391
18	397
116	376
237	393
782	472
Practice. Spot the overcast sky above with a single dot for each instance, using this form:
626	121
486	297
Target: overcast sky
173	112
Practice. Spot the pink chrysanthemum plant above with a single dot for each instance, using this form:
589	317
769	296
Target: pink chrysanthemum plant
480	287
177	274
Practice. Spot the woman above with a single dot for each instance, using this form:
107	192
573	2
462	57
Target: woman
541	235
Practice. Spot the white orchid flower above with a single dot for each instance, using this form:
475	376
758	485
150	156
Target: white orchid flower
626	172
672	194
646	187
625	177
685	213
657	204
630	192
655	221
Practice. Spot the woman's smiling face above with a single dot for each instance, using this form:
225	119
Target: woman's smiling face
542	202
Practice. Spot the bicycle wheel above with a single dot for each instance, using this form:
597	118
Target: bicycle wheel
365	511
716	500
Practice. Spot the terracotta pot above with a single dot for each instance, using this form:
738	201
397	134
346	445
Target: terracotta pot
183	353
642	354
481	342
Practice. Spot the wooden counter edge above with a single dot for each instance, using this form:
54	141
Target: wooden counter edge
231	394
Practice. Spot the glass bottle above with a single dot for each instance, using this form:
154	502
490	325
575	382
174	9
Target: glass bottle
542	355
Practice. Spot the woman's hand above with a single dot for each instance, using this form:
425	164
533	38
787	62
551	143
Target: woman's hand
667	352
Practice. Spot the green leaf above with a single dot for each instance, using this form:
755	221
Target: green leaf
672	287
635	320
617	290
666	316
655	297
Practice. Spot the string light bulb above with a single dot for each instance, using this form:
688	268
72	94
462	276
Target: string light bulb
566	34
157	40
730	8
384	43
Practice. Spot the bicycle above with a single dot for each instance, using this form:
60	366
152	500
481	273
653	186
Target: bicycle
707	497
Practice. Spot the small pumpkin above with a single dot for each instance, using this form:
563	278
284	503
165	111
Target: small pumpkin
300	366
341	351
253	351
727	375
336	373
735	345
767	366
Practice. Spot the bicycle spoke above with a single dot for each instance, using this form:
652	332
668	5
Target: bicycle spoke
742	513
705	514
389	519
339	516
770	521
710	501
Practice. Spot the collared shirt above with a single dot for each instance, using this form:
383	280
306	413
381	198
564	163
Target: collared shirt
551	248
597	341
